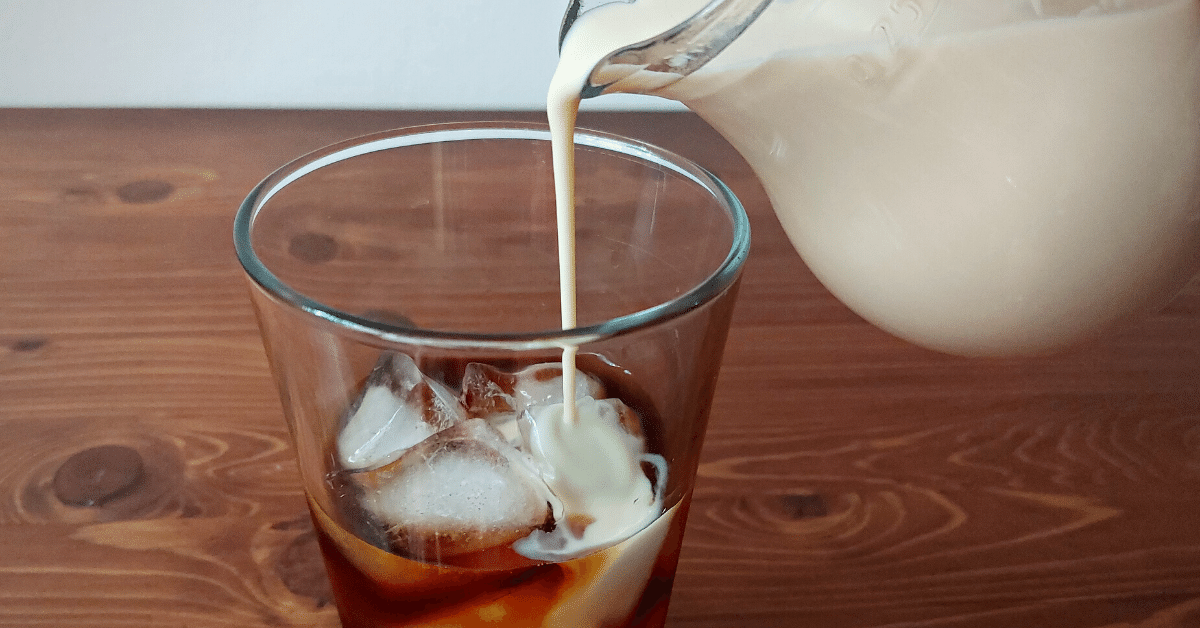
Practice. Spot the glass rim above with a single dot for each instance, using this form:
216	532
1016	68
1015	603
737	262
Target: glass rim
720	279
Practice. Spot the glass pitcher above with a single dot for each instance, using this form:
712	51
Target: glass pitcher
981	177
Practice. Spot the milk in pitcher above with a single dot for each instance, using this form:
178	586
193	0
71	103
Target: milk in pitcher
990	177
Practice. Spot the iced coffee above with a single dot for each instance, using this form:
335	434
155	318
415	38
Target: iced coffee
477	503
458	474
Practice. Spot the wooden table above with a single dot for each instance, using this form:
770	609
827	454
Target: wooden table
849	479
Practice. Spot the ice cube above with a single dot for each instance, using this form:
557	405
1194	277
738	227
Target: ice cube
541	385
508	424
463	490
487	390
501	397
487	393
627	418
399	407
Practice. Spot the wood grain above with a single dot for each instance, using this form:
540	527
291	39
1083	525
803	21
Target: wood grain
849	480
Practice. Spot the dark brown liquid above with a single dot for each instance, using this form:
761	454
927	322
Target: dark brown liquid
407	593
376	588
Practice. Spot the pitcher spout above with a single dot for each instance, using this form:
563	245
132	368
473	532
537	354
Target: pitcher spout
658	48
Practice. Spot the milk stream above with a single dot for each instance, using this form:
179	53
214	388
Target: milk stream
562	132
597	471
578	56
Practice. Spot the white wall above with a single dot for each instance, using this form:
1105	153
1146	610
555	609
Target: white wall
391	54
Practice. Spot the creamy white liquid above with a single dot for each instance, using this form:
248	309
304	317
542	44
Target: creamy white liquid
596	471
981	177
578	447
608	28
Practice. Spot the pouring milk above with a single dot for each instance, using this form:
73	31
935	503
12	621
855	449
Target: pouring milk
981	177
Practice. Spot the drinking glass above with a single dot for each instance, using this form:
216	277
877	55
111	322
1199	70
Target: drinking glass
430	253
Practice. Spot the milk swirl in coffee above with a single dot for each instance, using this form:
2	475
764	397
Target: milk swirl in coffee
459	504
